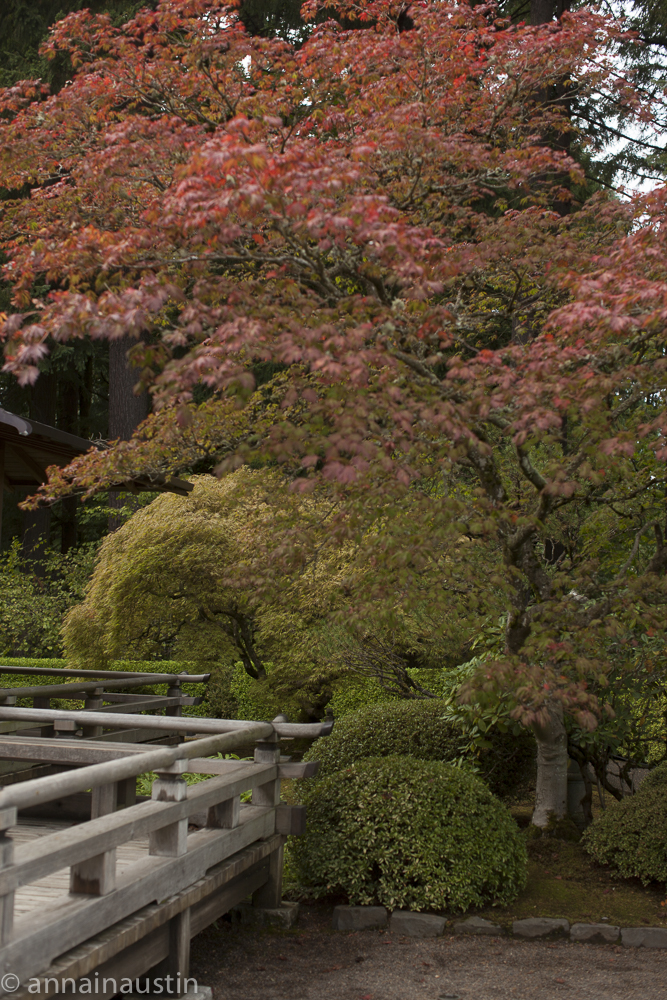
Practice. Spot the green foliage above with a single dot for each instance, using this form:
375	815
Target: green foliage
32	607
630	834
24	26
420	729
352	694
220	576
409	833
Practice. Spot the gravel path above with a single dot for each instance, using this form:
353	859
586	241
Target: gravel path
315	963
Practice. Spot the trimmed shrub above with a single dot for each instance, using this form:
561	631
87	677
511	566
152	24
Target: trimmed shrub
630	834
418	729
408	833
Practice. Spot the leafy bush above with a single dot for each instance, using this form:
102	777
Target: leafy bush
409	833
418	729
32	608
630	834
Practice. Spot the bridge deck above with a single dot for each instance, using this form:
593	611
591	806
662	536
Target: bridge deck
47	889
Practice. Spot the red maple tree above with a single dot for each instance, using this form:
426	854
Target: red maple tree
475	373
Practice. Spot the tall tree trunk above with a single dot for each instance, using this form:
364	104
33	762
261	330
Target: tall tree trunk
37	523
551	790
68	421
126	408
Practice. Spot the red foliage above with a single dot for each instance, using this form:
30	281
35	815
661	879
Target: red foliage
380	212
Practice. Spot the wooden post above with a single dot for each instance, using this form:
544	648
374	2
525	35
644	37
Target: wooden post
7	820
97	876
174	691
169	786
225	815
126	793
93	702
179	949
269	896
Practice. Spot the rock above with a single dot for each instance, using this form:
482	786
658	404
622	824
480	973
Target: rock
281	918
594	933
644	937
476	925
358	918
535	927
416	924
201	993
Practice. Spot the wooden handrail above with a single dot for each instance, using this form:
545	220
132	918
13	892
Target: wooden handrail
50	853
172	724
70	690
55	786
155	678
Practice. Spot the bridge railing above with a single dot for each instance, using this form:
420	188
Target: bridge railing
100	895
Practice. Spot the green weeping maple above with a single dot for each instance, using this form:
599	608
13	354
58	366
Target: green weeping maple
477	377
205	577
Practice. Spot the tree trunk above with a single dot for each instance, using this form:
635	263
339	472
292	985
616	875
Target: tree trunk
68	421
126	408
551	790
37	523
543	11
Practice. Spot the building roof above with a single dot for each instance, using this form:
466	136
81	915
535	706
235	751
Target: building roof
30	447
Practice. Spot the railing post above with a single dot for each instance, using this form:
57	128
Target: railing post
7	820
126	793
171	841
269	896
93	701
97	876
174	691
225	815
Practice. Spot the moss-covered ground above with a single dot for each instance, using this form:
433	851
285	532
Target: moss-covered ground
563	881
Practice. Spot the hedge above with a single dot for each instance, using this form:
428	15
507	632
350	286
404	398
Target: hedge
409	833
418	729
630	835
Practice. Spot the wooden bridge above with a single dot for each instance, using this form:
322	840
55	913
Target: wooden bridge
99	887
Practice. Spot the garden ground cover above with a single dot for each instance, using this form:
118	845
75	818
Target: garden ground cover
563	881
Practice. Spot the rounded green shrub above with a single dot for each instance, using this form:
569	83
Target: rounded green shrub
418	729
409	833
630	835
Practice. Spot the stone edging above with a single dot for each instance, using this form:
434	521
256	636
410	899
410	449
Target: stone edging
359	918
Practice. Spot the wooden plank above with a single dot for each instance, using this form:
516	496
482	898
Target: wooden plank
41	937
61	751
66	847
